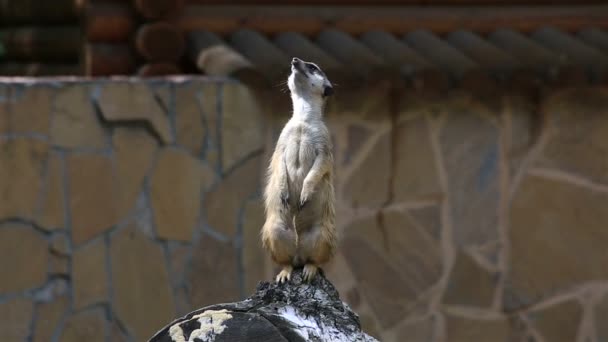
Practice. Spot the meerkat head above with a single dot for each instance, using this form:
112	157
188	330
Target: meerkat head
308	81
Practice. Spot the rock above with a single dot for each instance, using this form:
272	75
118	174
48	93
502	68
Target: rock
48	317
578	128
462	329
22	163
358	188
93	195
52	212
87	326
75	123
189	117
25	108
560	322
415	170
124	101
292	311
217	260
136	263
470	152
223	203
23	258
134	150
254	258
176	194
572	248
470	284
241	128
16	316
387	264
89	278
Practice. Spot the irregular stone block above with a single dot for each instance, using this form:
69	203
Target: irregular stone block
428	218
93	195
87	326
124	101
601	317
16	316
419	331
189	117
415	175
75	123
368	185
23	258
25	108
136	264
578	128
471	156
254	258
48	317
377	254
356	137
89	278
176	193
463	329
560	322
223	203
213	275
51	215
241	125
470	284
557	237
134	150
22	163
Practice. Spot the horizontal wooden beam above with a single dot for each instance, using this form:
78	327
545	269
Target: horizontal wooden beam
395	2
395	19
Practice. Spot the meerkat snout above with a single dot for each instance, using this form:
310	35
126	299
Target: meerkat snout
307	79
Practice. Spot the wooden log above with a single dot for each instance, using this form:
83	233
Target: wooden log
108	59
160	42
109	22
395	2
14	12
275	312
398	20
158	69
49	44
213	56
157	9
39	69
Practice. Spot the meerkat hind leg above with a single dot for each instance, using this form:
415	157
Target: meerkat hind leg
285	274
310	272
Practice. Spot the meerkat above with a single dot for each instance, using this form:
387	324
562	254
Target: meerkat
299	230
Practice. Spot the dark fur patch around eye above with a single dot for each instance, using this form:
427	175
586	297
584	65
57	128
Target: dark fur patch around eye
311	67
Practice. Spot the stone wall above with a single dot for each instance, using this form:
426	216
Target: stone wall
124	204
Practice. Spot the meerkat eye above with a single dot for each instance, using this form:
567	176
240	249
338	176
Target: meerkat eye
312	67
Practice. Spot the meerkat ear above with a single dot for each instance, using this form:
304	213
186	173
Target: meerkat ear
328	91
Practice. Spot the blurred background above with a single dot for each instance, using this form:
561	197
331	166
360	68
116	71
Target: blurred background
471	160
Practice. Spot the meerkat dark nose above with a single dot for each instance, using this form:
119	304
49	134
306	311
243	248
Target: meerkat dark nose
328	91
295	61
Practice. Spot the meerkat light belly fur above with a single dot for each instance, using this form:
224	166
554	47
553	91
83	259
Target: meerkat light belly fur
299	195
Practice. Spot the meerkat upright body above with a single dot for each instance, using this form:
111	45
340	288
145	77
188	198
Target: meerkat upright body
299	195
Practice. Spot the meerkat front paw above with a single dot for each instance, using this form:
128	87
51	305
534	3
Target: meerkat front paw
304	198
284	275
309	272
